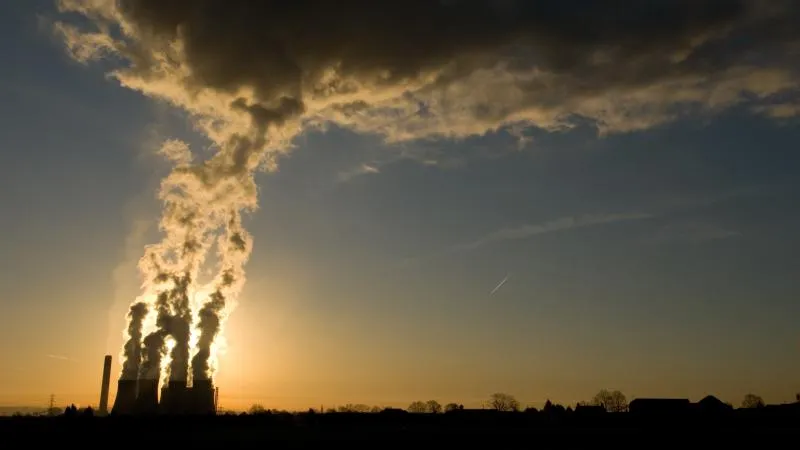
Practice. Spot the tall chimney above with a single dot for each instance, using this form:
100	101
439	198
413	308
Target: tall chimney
216	399
103	409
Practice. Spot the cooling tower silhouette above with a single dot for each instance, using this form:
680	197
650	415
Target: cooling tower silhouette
142	397
202	397
125	402
175	398
147	397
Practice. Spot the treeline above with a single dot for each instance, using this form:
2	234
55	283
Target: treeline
613	401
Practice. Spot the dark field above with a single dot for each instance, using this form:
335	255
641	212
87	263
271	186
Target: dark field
765	429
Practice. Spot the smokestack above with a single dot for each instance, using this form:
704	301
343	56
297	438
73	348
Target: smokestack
125	401
216	399
103	409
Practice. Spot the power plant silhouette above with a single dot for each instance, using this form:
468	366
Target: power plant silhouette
141	396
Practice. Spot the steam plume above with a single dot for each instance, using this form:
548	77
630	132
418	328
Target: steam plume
234	251
180	328
133	347
154	342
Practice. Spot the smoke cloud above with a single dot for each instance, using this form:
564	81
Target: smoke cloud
132	352
253	75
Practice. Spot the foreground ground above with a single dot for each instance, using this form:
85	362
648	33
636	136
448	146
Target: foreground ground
513	430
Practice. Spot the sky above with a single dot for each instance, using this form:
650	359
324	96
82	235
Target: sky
545	228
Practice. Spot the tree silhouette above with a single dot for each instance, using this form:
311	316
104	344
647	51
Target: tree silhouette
752	401
257	409
453	407
612	401
355	408
503	402
551	408
433	407
417	407
71	411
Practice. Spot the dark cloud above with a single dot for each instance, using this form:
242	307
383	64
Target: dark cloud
235	42
283	49
415	68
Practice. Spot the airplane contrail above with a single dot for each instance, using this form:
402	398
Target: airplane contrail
499	285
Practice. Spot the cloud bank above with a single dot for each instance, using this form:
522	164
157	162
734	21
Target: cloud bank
258	73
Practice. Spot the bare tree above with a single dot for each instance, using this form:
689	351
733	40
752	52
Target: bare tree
257	409
355	408
612	401
433	407
752	401
503	402
453	407
417	407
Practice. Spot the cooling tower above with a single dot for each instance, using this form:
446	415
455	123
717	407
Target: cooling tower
175	398
147	398
125	402
103	407
202	397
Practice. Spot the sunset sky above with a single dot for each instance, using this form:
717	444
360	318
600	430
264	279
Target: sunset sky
650	246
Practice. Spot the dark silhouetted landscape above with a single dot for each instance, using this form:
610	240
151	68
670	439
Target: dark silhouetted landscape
500	424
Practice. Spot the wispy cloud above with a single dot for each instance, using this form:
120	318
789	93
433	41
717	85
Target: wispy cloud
786	110
713	198
694	232
363	169
561	224
59	357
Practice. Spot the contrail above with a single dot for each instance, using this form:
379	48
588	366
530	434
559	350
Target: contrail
499	285
61	357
